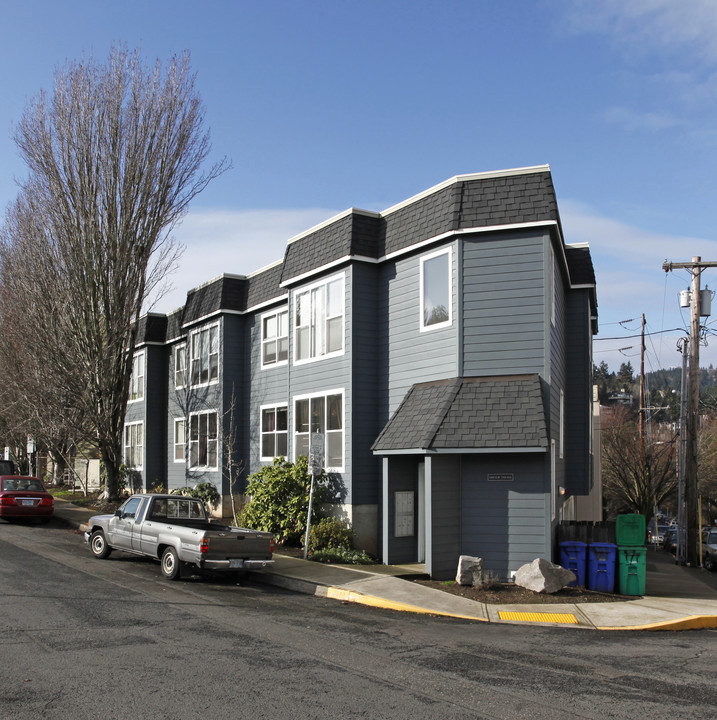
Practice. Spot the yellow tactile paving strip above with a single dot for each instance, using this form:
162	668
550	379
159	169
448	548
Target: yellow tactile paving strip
565	618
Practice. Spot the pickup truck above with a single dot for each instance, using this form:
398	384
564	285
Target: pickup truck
175	530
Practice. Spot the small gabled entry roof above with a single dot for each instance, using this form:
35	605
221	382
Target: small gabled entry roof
485	414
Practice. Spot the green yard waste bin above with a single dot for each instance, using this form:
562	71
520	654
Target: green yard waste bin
630	530
631	570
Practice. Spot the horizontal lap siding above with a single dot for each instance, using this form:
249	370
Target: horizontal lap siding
578	459
263	386
503	304
504	522
366	468
445	543
411	356
320	376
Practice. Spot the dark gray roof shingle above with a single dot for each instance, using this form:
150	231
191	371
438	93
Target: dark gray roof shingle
491	413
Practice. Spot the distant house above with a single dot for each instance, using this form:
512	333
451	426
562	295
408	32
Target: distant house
442	347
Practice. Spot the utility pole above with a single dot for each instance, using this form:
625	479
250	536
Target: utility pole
692	416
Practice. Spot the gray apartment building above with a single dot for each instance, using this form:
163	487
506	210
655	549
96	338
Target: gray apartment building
442	347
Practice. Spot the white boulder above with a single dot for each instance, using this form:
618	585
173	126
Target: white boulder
470	571
542	576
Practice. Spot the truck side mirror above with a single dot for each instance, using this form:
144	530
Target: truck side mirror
118	513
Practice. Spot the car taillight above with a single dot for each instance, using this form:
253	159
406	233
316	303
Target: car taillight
271	546
46	501
7	500
204	545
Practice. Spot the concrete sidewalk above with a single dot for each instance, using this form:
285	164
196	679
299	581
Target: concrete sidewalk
677	597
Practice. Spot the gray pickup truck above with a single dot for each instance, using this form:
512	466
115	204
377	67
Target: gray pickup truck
175	530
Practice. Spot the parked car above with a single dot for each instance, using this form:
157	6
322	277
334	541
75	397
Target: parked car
24	497
670	543
709	548
656	538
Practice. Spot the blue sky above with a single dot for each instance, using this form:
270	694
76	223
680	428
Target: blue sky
326	105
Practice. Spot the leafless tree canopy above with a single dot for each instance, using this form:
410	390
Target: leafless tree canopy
638	473
114	157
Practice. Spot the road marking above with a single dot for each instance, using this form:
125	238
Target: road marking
565	618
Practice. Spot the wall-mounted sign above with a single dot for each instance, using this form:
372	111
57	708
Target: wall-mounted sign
501	477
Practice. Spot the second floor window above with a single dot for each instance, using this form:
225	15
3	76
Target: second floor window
275	338
319	320
133	444
205	355
203	440
180	366
436	290
136	385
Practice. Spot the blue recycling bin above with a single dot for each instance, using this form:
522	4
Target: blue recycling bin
573	557
602	559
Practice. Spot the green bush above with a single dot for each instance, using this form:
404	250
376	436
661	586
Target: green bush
330	532
344	556
204	491
279	500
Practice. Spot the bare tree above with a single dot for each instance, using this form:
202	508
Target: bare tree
114	158
638	473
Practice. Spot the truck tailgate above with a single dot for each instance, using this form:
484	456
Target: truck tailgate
238	543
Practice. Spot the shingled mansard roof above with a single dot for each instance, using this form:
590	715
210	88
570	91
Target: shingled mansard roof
486	414
523	197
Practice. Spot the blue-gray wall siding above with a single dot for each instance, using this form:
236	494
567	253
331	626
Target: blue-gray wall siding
503	303
557	364
504	522
326	375
443	545
264	386
407	355
365	424
232	365
578	416
156	401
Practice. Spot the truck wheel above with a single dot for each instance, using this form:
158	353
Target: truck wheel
98	545
170	564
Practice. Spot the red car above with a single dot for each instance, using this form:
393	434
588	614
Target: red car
24	497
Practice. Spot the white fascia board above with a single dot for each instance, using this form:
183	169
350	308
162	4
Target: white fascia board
462	451
467	178
331	221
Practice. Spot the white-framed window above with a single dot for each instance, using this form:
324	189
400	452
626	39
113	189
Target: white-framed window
275	338
136	383
203	440
323	414
180	366
180	439
274	432
133	444
436	290
319	320
205	355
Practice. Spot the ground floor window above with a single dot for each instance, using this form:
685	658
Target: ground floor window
321	414
203	440
274	432
133	444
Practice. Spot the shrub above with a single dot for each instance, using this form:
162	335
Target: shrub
342	555
330	532
204	491
279	499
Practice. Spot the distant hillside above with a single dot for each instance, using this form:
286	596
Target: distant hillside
662	389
